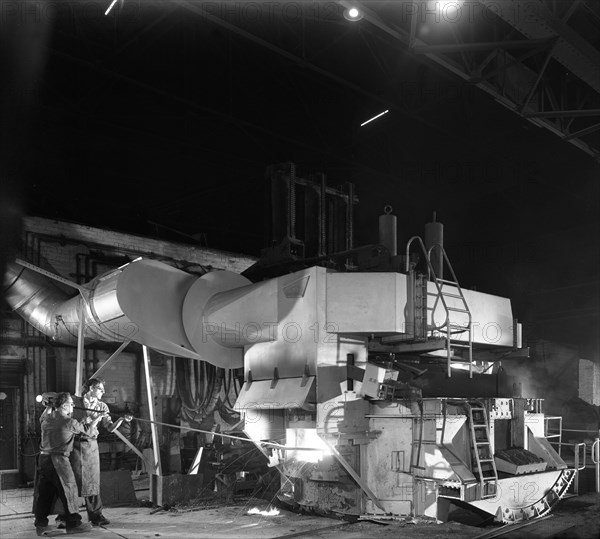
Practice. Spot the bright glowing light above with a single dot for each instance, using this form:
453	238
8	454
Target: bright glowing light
270	513
110	7
311	440
375	117
39	398
353	14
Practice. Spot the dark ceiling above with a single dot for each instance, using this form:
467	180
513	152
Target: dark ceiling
161	117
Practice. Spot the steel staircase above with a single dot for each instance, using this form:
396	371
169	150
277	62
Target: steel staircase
453	302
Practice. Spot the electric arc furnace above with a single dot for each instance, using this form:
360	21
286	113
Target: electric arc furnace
334	364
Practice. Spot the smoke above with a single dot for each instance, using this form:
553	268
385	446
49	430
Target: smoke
551	373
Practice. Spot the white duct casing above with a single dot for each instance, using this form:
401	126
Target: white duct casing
143	301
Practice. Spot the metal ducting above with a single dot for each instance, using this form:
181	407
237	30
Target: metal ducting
142	302
35	298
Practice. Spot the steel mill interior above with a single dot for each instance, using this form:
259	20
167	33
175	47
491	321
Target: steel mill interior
300	268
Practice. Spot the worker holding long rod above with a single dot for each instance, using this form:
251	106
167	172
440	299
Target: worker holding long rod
85	456
263	443
95	415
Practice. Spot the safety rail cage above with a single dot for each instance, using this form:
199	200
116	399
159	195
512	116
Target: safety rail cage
580	450
556	431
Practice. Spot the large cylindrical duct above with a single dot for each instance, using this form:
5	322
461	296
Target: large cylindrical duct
34	297
388	231
142	302
106	300
434	240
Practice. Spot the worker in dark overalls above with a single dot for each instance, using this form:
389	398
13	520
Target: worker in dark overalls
54	475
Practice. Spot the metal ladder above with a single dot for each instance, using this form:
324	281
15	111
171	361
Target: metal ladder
451	328
482	449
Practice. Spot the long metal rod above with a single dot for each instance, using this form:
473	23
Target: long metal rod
231	436
153	429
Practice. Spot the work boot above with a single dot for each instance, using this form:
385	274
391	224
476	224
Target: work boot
41	530
100	521
61	523
80	528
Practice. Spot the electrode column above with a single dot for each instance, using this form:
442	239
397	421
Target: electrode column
387	231
434	236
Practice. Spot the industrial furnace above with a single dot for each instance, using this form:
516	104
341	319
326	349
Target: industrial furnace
333	362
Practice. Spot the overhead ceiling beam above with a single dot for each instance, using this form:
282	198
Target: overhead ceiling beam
495	72
534	20
538	77
481	46
583	132
563	113
586	56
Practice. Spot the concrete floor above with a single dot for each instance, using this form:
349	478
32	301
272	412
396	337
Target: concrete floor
575	518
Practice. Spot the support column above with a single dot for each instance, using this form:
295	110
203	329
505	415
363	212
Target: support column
153	429
80	348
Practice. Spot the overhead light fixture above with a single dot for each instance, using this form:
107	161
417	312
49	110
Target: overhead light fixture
353	14
375	117
110	7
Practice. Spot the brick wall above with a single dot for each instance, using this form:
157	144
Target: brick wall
56	235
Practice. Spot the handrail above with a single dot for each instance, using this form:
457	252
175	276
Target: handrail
554	433
596	461
596	447
454	278
430	268
440	297
462	297
576	465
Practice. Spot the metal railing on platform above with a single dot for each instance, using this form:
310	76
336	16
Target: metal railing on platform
580	448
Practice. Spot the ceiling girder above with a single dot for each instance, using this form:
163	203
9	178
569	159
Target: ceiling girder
532	19
481	46
544	31
563	113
